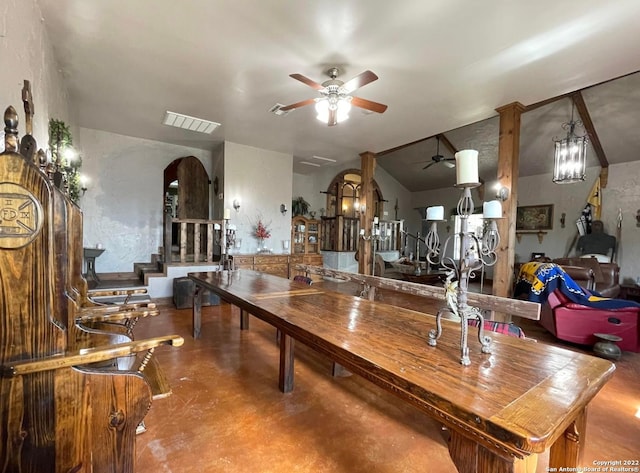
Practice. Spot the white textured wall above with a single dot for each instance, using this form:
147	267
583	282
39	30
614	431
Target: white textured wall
261	180
622	192
25	53
124	202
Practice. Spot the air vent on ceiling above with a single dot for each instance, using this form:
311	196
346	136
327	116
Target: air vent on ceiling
276	110
329	160
189	123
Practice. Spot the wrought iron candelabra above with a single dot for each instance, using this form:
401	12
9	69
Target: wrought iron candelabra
226	238
375	236
474	254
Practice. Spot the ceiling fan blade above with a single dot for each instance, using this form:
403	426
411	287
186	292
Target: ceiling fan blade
368	104
293	106
305	80
333	118
430	164
358	81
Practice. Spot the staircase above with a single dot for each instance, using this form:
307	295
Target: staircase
158	277
154	268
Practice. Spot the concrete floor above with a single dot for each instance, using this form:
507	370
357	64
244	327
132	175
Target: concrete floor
226	413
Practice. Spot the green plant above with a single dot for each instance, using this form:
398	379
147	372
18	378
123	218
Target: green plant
66	160
299	206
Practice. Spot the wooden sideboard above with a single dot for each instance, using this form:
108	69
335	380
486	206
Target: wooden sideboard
278	265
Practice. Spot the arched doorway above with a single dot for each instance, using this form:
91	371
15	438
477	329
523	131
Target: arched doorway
186	193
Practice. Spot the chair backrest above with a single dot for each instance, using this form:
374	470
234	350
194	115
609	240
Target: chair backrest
54	417
499	327
303	279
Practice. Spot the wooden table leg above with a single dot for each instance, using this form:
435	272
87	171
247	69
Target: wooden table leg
244	320
567	451
197	311
285	381
471	457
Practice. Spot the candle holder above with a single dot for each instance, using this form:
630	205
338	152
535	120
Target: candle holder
374	236
474	254
226	238
417	270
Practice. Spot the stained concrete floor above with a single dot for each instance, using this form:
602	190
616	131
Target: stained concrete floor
226	413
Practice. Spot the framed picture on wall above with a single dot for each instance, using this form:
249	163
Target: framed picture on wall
534	217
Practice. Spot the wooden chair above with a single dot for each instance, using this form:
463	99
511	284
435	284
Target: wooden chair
65	405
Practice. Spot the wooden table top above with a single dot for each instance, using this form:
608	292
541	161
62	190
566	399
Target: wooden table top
519	399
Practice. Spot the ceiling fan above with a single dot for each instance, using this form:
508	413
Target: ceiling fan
335	99
438	158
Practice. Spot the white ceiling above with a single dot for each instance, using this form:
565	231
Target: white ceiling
442	65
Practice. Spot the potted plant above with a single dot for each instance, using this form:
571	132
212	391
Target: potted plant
299	206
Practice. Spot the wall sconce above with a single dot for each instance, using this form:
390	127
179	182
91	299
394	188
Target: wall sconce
83	183
283	209
563	219
502	193
358	207
236	205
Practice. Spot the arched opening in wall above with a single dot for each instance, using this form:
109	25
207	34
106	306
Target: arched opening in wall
186	196
340	227
344	196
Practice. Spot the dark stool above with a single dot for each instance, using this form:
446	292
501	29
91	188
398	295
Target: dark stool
183	289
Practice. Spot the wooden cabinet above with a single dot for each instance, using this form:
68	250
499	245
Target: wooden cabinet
305	236
243	261
278	265
311	260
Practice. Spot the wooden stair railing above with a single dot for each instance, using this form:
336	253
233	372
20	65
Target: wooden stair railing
198	240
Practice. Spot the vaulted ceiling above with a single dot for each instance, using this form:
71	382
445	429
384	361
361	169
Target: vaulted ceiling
443	68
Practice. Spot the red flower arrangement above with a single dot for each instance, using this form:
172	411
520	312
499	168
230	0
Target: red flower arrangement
262	232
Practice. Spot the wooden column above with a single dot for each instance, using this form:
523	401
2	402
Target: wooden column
508	168
368	166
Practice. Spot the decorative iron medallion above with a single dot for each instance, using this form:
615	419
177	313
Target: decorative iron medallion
20	216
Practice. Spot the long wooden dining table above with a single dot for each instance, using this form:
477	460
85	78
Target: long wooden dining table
501	411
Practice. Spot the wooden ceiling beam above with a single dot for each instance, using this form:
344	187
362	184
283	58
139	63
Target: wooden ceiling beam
445	141
585	116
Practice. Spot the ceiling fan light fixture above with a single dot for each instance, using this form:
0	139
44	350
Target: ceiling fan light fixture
342	108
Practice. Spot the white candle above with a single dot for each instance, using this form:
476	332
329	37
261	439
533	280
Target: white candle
467	166
216	226
227	214
492	209
435	213
362	231
375	220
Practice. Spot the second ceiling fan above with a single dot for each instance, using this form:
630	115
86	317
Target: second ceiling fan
438	158
335	99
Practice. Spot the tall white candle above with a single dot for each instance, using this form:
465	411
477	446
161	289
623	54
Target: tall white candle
375	220
435	213
467	166
492	209
227	214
